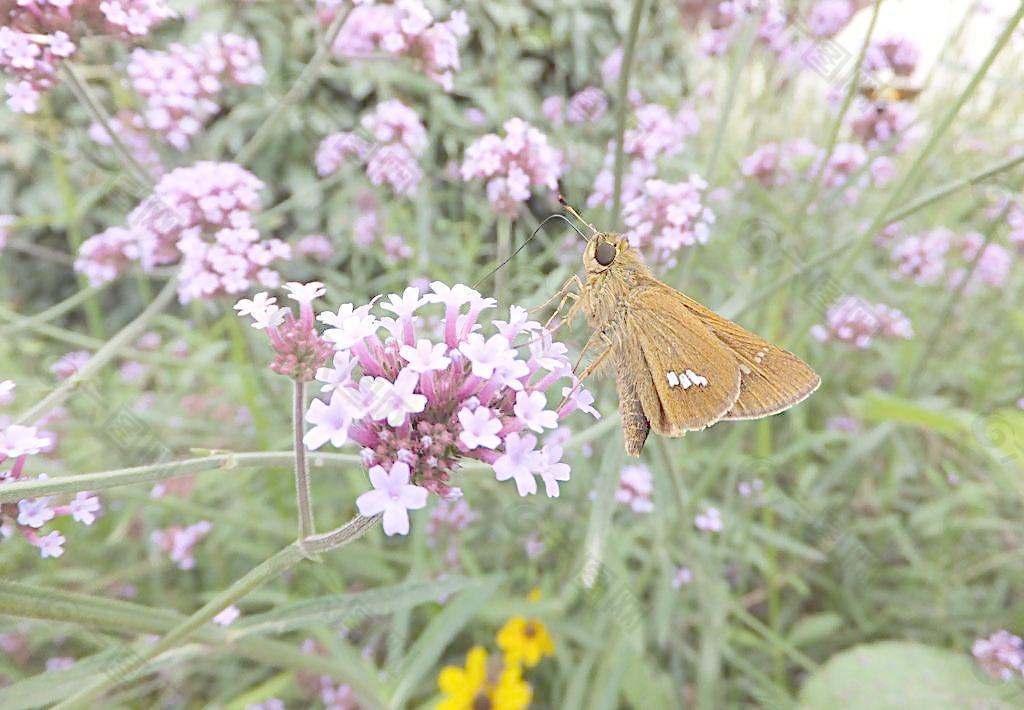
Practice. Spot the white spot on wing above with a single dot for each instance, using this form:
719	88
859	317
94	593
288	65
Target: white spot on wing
673	378
697	379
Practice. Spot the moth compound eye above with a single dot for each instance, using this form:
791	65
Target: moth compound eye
605	253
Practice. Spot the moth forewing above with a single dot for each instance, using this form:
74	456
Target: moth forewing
772	380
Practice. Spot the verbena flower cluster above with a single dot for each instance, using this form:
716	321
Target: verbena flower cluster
635	488
28	517
665	217
203	216
399	138
512	164
181	87
38	35
1001	655
179	542
924	259
405	28
421	399
301	350
896	54
857	322
585	106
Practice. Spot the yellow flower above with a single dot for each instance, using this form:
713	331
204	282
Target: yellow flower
525	641
534	594
483	686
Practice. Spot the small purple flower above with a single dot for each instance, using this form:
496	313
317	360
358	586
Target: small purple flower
551	469
480	428
330	420
227	616
710	520
531	408
394	400
519	462
393	495
34	512
426	356
84	508
51	545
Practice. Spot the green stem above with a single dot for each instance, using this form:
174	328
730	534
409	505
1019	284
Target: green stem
739	61
812	191
302	486
622	103
54	311
266	571
100	358
81	91
152	473
296	91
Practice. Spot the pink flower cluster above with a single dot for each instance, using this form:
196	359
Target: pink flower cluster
774	164
1001	655
512	164
857	322
658	132
399	138
28	516
131	129
301	351
727	21
202	215
923	259
419	405
447	520
181	87
179	542
404	28
895	54
635	488
37	35
585	106
665	217
827	17
884	124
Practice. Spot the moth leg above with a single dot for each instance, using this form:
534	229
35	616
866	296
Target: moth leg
599	334
587	372
565	293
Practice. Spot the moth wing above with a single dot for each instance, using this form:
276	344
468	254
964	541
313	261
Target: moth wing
688	378
773	379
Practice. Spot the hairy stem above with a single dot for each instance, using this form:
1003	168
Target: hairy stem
302	486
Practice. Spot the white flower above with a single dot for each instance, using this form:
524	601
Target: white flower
393	496
530	408
394	400
305	293
426	356
479	428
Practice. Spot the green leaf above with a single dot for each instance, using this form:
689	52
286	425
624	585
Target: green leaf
351	607
814	628
423	656
901	675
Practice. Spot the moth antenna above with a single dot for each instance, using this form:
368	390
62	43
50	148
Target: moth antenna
574	213
523	245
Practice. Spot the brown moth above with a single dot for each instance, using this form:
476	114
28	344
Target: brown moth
679	366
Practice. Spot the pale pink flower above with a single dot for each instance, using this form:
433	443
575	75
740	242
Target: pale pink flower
393	495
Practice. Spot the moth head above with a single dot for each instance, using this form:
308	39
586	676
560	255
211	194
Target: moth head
604	250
